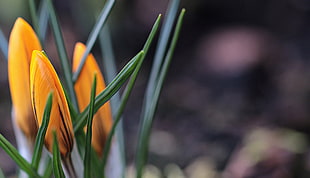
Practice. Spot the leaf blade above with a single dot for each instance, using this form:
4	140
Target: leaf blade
149	109
41	133
58	171
110	90
64	60
19	160
33	14
109	67
161	48
87	157
94	34
43	21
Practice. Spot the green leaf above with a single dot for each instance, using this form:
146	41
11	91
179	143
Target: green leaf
58	172
64	60
72	110
41	133
43	21
81	141
128	91
110	90
80	135
110	70
137	69
150	109
34	17
88	148
161	49
96	166
106	47
3	45
94	34
19	160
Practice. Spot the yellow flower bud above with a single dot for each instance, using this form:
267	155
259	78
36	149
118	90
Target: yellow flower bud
43	80
23	41
102	121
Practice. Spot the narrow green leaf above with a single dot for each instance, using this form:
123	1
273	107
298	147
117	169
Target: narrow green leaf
106	47
110	90
88	147
58	172
81	141
110	70
19	160
150	110
152	34
80	135
108	143
3	45
41	133
168	58
94	34
72	110
96	166
43	20
163	73
137	69
161	49
128	90
64	60
33	14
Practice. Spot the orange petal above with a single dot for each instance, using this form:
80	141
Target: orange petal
102	121
23	41
43	80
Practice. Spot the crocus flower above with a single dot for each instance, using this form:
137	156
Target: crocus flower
23	41
102	120
43	80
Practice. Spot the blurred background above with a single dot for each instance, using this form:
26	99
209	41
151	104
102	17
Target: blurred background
236	100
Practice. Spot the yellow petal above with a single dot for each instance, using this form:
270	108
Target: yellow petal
102	121
43	80
23	41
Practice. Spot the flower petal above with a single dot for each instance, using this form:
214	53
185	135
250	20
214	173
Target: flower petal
43	80
102	121
23	41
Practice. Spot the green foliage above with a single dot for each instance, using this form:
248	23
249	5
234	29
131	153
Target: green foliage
87	157
34	17
128	91
110	90
41	133
19	160
94	34
55	164
64	60
58	171
159	71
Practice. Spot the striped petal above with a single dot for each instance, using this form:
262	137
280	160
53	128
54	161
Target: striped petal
43	80
102	121
23	41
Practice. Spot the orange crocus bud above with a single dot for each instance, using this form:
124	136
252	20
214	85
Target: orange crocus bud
43	80
23	41
102	121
